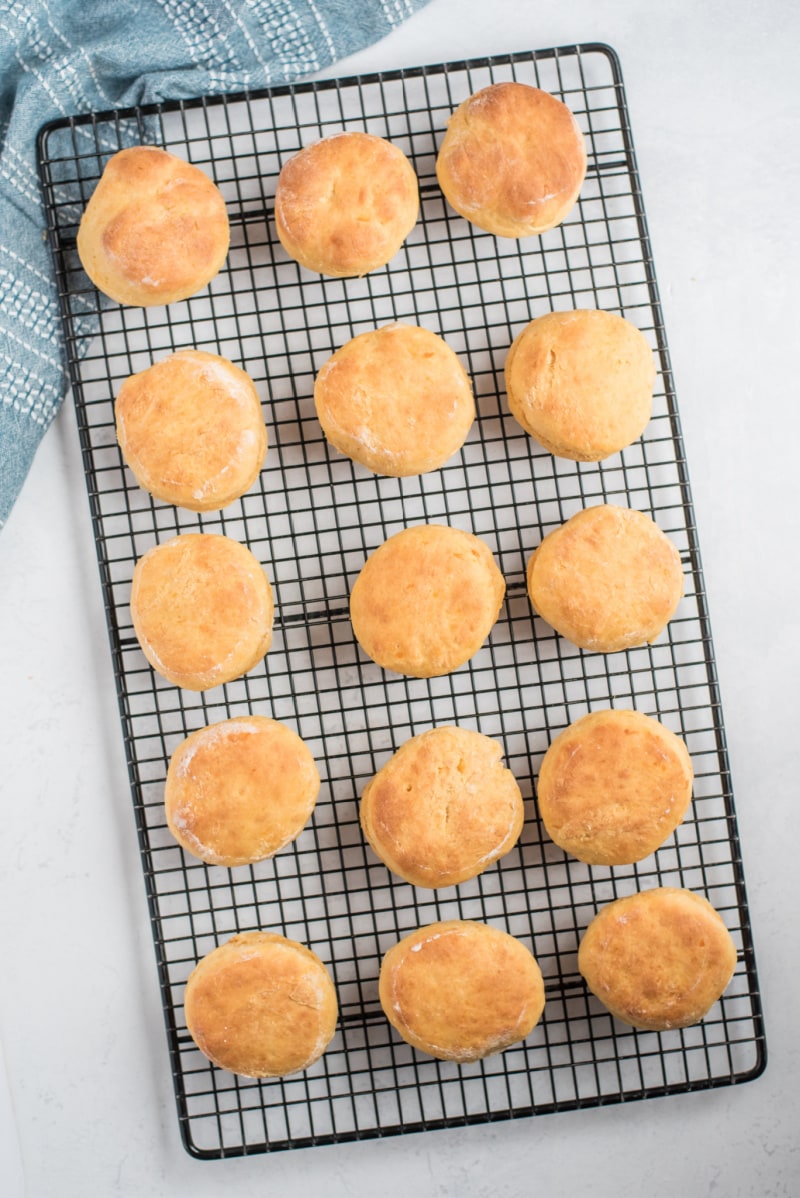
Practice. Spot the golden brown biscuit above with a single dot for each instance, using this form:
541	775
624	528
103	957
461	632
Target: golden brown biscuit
396	399
443	808
606	579
460	990
239	790
155	229
613	786
190	428
202	609
426	600
658	959
581	382
345	205
261	1005
512	160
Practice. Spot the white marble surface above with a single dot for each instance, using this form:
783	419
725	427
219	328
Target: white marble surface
86	1108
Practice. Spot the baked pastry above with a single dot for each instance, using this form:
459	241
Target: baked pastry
261	1005
461	990
426	600
581	382
443	808
395	399
513	160
658	959
239	790
202	608
607	579
155	229
191	430
345	205
613	786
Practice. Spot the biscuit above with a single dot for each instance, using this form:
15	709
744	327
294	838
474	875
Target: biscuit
240	790
345	205
607	579
512	161
443	808
261	1005
202	609
461	990
657	959
581	382
155	229
426	600
395	399
191	430
613	786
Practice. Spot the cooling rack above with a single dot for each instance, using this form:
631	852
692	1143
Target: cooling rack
311	519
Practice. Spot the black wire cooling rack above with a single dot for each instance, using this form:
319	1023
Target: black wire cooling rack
312	518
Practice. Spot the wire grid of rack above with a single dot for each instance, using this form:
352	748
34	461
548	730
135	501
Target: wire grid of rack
312	518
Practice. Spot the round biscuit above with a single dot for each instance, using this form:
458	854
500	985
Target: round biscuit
658	959
613	786
443	808
513	160
395	399
191	430
155	229
607	579
581	382
461	990
202	609
261	1005
239	790
344	205
426	600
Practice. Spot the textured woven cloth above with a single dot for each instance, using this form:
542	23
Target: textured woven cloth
63	57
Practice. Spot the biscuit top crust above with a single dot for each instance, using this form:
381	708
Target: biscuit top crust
658	959
345	205
261	1005
581	382
202	609
396	399
513	160
191	429
443	807
239	790
155	229
607	579
460	990
426	599
613	786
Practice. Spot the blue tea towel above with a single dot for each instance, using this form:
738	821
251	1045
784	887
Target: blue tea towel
63	57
